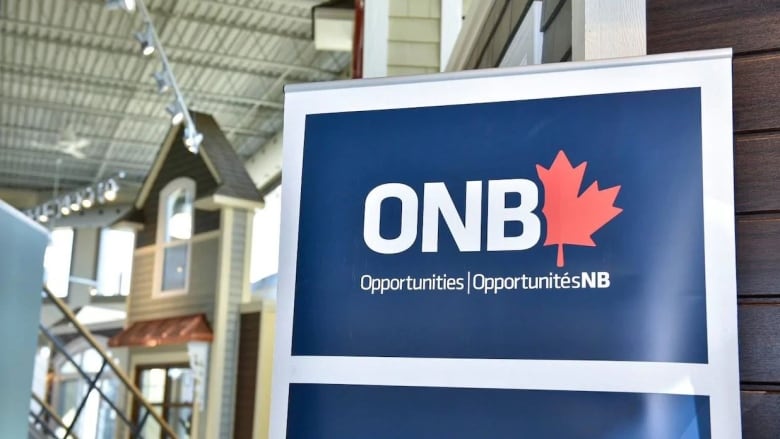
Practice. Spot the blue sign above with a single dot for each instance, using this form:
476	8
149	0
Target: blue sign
450	302
542	252
415	412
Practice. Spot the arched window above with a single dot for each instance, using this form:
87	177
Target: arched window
174	230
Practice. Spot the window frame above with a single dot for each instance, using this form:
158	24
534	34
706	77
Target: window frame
161	244
165	405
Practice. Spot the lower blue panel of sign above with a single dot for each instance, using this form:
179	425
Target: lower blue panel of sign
325	411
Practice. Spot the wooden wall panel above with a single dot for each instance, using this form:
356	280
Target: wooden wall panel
758	256
759	357
756	91
246	377
757	172
759	414
752	28
680	25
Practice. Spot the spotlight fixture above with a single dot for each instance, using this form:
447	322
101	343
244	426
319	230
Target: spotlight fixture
165	79
111	190
176	112
42	213
84	198
163	83
88	199
146	40
65	205
125	5
192	139
75	203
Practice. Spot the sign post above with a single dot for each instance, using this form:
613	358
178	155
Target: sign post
533	252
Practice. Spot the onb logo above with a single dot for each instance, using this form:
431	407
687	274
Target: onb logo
571	217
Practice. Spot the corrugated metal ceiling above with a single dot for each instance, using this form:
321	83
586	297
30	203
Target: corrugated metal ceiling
71	72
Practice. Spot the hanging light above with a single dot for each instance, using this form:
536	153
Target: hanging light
163	83
111	190
192	139
65	205
88	199
75	203
176	112
125	5
145	39
42	214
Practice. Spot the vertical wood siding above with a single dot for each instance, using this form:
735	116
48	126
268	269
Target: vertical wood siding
235	291
246	376
752	29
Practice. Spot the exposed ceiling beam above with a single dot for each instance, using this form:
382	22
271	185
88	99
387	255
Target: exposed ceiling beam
174	52
261	11
39	153
206	61
129	86
91	137
93	111
248	115
103	112
68	176
214	22
21	179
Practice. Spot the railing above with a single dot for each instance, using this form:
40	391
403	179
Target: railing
46	423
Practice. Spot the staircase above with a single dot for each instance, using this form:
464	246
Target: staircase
44	420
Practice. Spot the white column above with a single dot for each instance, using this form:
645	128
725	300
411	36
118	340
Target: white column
376	20
450	24
608	29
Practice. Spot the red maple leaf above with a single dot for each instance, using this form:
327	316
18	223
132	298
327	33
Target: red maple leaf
572	218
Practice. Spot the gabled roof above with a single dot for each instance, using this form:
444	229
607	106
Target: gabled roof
217	153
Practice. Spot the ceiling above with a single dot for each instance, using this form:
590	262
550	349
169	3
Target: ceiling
78	102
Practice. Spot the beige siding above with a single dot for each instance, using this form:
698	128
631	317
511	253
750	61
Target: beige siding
413	37
142	305
403	70
235	292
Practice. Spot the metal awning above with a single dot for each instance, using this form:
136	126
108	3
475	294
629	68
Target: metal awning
168	331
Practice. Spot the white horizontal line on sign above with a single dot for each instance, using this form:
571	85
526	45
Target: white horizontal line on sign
604	376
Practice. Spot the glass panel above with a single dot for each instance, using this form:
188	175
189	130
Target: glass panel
181	385
107	417
86	424
179	216
68	392
115	261
175	267
180	420
91	361
56	261
153	385
151	429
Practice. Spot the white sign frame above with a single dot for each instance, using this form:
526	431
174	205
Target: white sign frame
719	379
